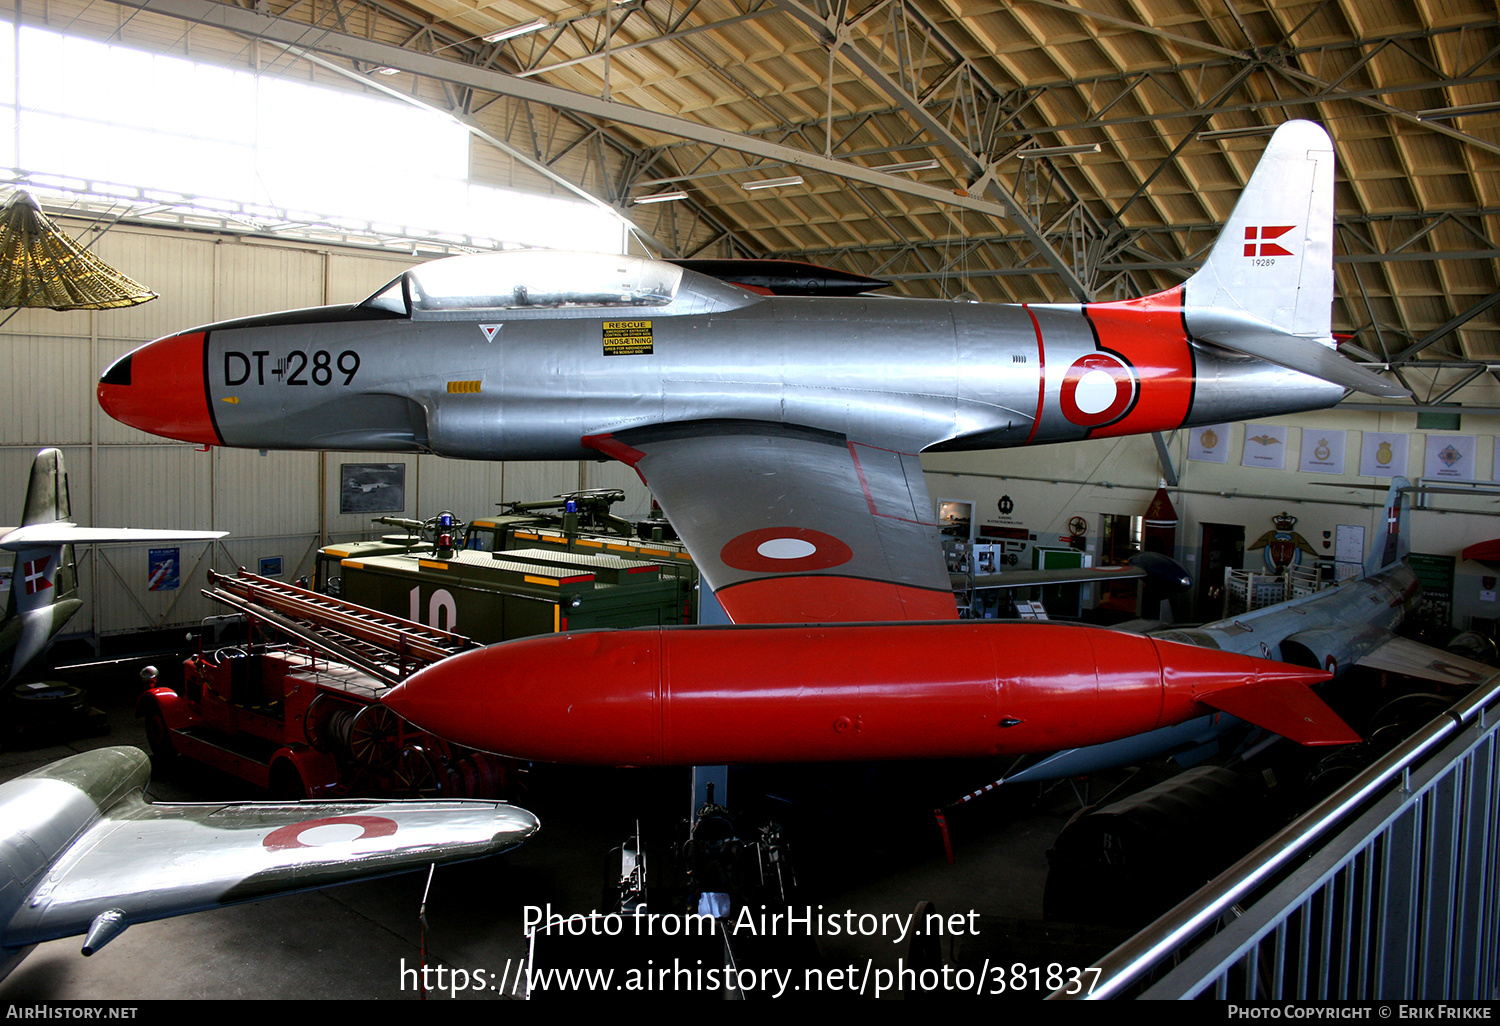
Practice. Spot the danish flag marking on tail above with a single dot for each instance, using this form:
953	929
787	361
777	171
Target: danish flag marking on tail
34	571
1263	247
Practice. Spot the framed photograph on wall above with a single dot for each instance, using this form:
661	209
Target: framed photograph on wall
372	487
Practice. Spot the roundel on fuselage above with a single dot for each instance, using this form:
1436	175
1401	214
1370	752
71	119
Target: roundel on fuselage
1098	389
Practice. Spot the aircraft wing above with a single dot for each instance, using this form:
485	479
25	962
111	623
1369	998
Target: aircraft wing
64	533
1163	569
139	861
792	525
1414	659
1038	578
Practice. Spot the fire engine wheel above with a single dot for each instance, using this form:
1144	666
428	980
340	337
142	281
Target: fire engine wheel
481	775
325	725
419	775
372	737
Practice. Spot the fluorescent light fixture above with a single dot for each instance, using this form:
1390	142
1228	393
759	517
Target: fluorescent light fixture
1439	113
516	30
771	183
1235	133
910	165
662	197
1057	151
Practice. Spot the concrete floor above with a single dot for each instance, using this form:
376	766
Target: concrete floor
861	843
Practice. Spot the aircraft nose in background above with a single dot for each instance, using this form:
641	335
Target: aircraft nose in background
161	389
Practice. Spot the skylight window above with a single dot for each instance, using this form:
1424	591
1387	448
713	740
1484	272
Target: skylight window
129	118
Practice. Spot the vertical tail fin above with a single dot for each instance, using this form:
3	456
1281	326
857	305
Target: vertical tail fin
1273	261
47	495
44	583
1393	538
44	572
1267	287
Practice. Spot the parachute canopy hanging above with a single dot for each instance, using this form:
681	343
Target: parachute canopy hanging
41	266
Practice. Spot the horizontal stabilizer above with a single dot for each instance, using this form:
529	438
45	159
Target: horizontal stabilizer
1307	357
1415	659
1285	708
64	533
1162	570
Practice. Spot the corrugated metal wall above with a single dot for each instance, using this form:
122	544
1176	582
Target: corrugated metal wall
275	504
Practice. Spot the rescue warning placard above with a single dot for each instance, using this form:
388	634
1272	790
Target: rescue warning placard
627	338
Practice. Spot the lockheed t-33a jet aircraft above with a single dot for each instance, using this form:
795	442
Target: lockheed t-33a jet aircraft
780	433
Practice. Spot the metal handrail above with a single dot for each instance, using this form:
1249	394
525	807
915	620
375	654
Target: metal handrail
1131	960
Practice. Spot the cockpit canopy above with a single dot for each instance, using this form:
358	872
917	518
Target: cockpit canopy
460	287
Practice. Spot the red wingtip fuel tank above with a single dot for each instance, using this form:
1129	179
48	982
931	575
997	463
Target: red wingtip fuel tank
736	694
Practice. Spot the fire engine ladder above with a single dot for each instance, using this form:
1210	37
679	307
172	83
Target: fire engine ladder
388	648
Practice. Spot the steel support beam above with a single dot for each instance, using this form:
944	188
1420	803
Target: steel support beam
838	38
1453	325
300	36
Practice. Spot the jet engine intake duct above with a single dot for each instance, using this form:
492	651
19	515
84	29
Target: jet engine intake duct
1334	649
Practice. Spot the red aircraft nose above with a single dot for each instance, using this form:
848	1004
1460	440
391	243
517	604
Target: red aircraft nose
159	389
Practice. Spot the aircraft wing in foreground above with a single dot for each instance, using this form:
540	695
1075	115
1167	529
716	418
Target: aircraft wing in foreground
779	432
87	854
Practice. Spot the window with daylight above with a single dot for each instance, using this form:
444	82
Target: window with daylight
104	117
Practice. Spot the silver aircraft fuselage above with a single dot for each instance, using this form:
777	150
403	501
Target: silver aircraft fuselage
541	383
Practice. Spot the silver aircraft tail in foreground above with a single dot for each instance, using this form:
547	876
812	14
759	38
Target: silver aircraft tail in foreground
1336	629
779	432
85	853
44	584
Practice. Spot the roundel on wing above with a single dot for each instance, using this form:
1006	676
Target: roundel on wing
785	550
312	833
1097	389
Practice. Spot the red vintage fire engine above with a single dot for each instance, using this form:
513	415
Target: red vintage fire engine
300	715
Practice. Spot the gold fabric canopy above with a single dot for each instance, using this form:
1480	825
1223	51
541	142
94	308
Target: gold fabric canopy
41	266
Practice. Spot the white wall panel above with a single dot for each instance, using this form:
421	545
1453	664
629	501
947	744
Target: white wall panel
259	495
122	577
297	554
257	279
529	481
468	488
47	322
355	278
48	392
155	486
179	269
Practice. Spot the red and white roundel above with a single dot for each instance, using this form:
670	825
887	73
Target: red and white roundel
314	833
785	550
1097	389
